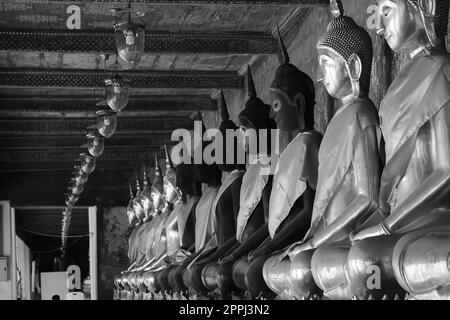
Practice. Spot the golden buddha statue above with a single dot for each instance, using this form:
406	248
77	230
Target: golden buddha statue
349	164
295	179
415	183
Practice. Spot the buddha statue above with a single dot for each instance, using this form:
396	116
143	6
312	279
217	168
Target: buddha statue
251	229
205	234
348	186
226	205
295	179
180	226
411	230
156	245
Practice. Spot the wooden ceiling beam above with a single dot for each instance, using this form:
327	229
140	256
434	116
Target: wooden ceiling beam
157	42
51	78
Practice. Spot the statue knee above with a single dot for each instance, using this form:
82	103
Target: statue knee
225	277
209	276
421	263
302	284
193	278
276	275
150	282
239	270
254	279
162	279
328	268
369	267
176	278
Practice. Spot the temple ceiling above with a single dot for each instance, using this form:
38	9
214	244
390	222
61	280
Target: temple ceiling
52	70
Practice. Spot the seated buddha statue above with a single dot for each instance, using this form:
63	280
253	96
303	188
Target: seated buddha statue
226	205
412	228
251	229
294	182
348	186
180	226
156	244
205	234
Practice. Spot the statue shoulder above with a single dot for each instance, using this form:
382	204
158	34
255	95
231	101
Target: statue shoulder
366	112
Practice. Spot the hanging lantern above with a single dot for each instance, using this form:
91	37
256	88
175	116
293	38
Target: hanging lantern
146	195
95	144
75	189
137	207
80	177
117	92
87	163
70	199
130	36
106	122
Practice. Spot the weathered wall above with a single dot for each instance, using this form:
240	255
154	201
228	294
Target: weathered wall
113	231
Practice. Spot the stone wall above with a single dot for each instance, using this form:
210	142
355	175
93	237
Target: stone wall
113	232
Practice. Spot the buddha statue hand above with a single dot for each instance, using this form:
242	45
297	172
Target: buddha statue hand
258	252
380	229
227	259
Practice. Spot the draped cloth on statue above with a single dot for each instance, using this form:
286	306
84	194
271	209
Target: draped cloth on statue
142	242
253	183
227	182
175	227
296	167
150	237
160	239
336	188
416	104
204	233
132	247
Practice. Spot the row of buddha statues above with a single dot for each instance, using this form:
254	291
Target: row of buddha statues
360	212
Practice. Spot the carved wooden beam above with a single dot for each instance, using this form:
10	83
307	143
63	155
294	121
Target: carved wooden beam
10	77
99	41
85	106
79	126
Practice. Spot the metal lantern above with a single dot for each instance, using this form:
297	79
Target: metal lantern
95	144
87	163
75	189
117	92
80	177
130	36
71	199
106	122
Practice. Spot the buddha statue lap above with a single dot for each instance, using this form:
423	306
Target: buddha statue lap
347	187
251	227
226	204
295	179
413	223
205	234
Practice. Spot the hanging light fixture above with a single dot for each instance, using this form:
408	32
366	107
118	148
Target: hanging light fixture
130	36
106	122
80	177
74	188
117	92
71	199
87	163
95	144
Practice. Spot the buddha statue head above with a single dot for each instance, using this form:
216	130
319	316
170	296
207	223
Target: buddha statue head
253	118
409	24
345	57
130	209
205	172
157	189
171	191
137	206
146	198
292	95
231	148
